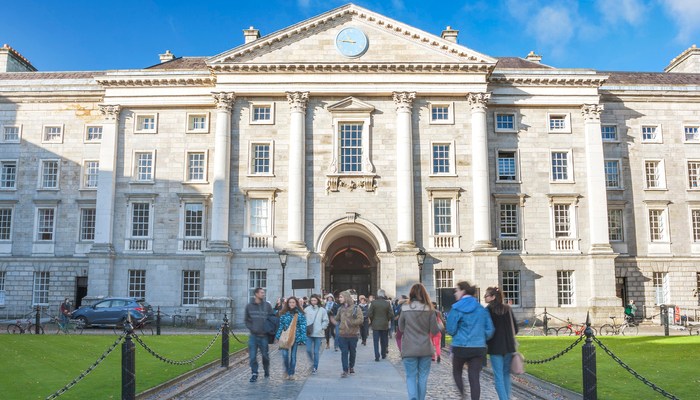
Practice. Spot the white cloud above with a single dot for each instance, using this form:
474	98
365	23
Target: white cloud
552	24
304	3
629	11
685	13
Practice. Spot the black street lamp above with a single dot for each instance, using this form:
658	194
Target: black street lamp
421	260
283	261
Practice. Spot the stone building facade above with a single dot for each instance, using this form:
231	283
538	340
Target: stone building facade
351	142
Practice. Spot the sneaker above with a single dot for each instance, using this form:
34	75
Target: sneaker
285	376
376	359
292	378
314	371
352	370
344	375
254	378
438	359
267	374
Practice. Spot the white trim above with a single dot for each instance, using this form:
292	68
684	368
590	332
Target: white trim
138	116
189	127
254	104
450	113
691	125
515	115
86	132
43	133
19	133
567	122
659	133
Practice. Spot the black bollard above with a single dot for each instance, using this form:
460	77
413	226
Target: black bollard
664	318
128	365
37	321
590	386
224	343
545	321
158	322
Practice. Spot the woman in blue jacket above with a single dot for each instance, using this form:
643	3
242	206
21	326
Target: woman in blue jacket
470	326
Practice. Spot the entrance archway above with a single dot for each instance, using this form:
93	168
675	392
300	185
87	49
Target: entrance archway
351	264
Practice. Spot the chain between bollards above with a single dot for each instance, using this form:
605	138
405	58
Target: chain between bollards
590	386
128	363
224	343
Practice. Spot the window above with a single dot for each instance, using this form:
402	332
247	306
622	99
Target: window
262	113
692	134
191	284
695	224
697	287
259	216
351	147
49	174
609	133
87	224
261	158
91	169
197	123
559	123
441	113
615	225
444	232
658	231
443	159
41	289
259	212
662	288
11	133
141	220
654	174
45	224
651	134
505	122
507	166
93	133
139	223
444	278
510	286
144	164
442	216
5	224
2	288
196	166
562	221
565	288
8	174
53	134
612	174
137	283
146	123
257	278
193	227
694	174
561	166
508	220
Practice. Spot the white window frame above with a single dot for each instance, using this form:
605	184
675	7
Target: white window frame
136	283
190	123
85	230
660	172
516	160
693	179
696	136
205	167
661	284
135	166
191	287
37	212
44	132
659	231
450	158
259	241
11	208
513	114
41	288
566	117
85	176
619	185
139	244
509	243
449	241
14	181
257	104
42	163
4	130
192	244
569	166
251	157
657	131
621	228
256	278
568	243
86	138
511	285
444	278
138	117
450	120
616	139
694	223
566	298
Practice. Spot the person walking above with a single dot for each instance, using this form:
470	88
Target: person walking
437	338
317	321
630	312
348	320
470	326
364	329
256	312
380	315
331	308
417	323
501	346
290	311
65	311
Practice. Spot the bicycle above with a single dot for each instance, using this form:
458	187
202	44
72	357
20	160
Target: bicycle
188	321
533	330
57	326
24	327
142	325
571	329
626	328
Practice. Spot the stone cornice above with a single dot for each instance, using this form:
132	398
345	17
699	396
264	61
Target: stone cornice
157	81
393	68
549	80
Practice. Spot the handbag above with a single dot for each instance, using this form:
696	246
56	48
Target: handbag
287	337
310	327
517	362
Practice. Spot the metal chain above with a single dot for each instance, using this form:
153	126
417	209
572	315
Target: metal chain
234	336
87	371
633	372
561	353
174	362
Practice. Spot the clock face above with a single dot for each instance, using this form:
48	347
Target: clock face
351	42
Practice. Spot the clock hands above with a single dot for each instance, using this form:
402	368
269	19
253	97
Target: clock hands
348	41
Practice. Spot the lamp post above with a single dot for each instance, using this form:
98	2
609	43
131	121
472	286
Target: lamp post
283	261
421	260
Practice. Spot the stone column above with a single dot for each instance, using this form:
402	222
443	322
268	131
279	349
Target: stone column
297	136
480	172
222	171
405	230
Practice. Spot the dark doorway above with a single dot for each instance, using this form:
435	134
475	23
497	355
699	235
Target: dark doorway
621	289
350	268
81	289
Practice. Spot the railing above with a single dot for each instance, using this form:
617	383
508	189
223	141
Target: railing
565	245
191	245
139	244
258	242
510	245
444	242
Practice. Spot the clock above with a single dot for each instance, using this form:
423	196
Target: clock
351	42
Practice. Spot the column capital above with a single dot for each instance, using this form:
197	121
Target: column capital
478	100
591	112
404	100
224	100
110	111
298	100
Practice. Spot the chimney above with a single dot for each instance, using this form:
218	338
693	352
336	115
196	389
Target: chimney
532	57
168	56
450	34
251	34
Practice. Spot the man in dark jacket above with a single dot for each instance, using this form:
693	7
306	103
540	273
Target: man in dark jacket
256	312
380	315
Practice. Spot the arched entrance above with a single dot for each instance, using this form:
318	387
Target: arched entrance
351	264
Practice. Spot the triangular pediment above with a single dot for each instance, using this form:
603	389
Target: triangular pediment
350	105
311	45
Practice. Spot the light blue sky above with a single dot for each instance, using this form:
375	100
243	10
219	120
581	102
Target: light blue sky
608	35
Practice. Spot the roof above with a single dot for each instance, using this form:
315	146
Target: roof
519	63
189	63
651	78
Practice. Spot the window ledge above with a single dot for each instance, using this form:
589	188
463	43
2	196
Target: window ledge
616	189
8	189
87	189
48	189
195	182
562	182
505	131
450	175
197	132
142	182
260	175
262	122
655	189
516	182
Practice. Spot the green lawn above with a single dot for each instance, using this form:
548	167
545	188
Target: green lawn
34	367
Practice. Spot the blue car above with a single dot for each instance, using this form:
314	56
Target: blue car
113	311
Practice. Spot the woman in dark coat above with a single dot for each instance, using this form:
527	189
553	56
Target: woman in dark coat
502	345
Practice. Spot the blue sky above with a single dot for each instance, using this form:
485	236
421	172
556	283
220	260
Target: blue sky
607	35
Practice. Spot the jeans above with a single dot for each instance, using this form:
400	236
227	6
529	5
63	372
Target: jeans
255	343
64	321
348	346
501	374
380	337
290	359
313	345
417	371
336	336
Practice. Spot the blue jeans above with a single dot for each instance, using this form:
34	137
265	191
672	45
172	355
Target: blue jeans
501	374
290	359
348	347
255	343
380	337
335	338
313	345
417	371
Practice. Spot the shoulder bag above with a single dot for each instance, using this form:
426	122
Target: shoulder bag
517	362
288	336
310	327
